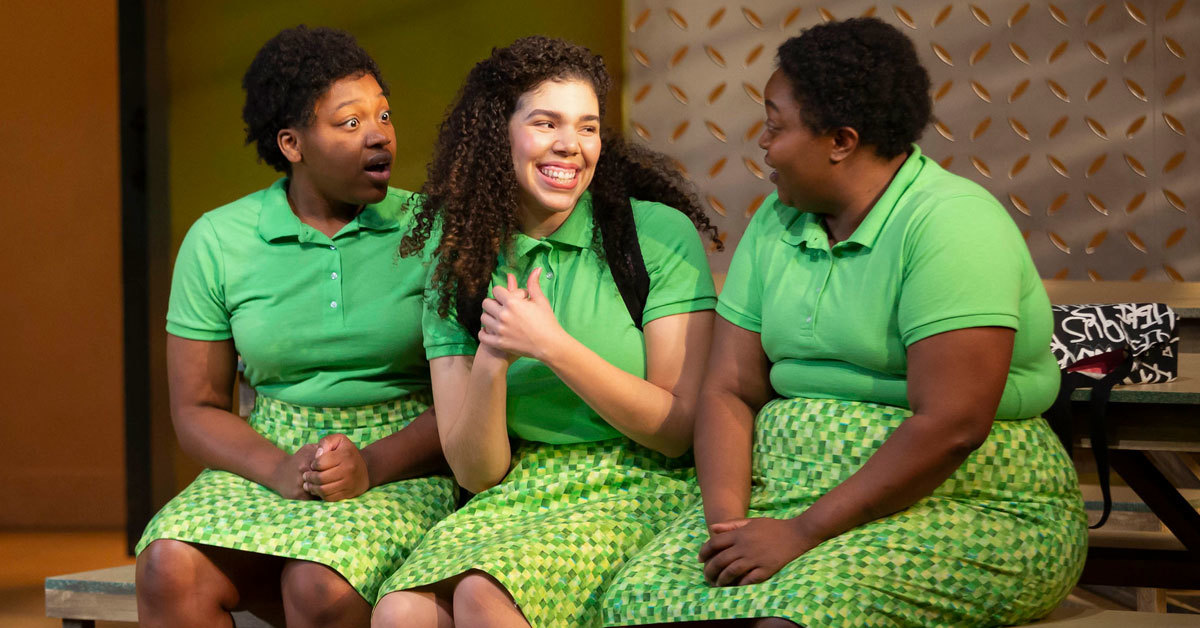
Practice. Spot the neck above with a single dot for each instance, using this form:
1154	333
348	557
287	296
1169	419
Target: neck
317	210
867	180
540	223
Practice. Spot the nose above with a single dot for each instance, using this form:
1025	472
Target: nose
763	143
380	135
567	142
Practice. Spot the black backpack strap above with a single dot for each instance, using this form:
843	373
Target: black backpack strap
1061	420
634	286
634	290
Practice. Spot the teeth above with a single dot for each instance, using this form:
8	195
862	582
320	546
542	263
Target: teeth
562	175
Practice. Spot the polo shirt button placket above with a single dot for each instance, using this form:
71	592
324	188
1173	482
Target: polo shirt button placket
336	307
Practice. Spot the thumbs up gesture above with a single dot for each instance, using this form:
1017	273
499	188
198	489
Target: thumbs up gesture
519	321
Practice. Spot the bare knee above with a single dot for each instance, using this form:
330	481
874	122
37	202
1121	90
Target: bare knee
317	595
168	570
481	600
178	585
408	608
775	622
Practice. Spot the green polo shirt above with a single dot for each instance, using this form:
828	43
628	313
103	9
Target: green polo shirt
319	321
588	305
935	253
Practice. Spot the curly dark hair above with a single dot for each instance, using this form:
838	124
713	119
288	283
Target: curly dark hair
861	73
471	190
287	77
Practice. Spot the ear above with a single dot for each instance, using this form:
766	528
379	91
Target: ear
289	145
845	141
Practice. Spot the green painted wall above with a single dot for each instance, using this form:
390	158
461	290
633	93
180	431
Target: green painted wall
424	49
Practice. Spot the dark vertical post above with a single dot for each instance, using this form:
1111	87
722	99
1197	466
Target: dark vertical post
131	29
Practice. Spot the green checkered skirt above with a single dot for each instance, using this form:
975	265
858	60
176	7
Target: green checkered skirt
1001	542
556	530
364	539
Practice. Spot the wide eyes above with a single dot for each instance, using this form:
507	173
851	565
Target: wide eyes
354	123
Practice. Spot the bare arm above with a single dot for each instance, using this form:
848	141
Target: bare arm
955	381
340	470
736	387
657	411
200	375
412	452
471	397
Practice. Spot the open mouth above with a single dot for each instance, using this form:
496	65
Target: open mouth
379	166
559	176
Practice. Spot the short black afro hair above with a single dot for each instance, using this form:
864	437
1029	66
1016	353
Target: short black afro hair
287	77
861	73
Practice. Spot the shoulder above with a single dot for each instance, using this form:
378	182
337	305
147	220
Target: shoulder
650	217
238	217
940	195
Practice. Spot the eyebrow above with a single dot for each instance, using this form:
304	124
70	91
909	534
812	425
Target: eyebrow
770	104
557	116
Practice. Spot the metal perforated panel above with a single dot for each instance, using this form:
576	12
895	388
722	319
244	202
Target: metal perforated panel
1082	118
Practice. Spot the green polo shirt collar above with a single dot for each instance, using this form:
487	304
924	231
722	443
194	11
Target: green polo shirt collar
277	222
575	232
808	232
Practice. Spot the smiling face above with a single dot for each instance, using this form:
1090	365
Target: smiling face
555	139
346	151
800	157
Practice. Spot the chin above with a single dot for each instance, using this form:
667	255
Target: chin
558	204
375	194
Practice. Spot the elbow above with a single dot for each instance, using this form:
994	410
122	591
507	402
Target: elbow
477	485
675	449
476	479
971	436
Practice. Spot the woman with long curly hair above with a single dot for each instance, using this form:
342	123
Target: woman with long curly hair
299	280
869	445
564	399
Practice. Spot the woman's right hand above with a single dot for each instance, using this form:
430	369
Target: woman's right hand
287	478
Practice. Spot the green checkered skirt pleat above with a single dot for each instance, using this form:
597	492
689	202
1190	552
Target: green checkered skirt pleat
556	530
1001	542
364	539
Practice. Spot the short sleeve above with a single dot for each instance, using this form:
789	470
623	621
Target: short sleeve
443	336
741	296
962	268
680	278
197	309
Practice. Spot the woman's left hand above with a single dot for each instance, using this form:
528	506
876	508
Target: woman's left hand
748	551
338	470
520	322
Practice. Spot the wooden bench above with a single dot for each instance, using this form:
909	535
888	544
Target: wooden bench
108	595
80	599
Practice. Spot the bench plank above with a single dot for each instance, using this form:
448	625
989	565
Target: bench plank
109	595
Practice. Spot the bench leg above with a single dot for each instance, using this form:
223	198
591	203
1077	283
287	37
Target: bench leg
79	623
1151	600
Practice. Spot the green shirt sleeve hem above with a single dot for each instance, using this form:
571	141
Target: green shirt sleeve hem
441	351
926	330
191	333
741	319
679	307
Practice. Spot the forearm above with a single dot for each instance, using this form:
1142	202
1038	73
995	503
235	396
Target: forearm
474	428
724	440
646	413
917	458
412	452
219	439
